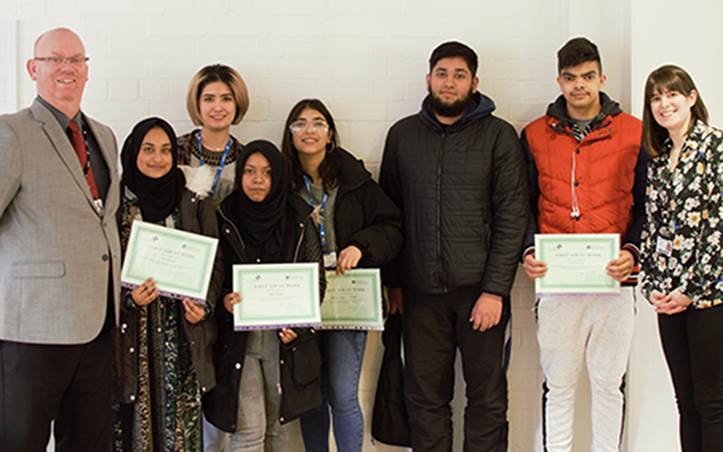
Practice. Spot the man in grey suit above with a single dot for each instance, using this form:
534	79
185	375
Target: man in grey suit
59	258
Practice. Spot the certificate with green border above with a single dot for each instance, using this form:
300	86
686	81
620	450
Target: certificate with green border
353	301
276	296
179	262
576	262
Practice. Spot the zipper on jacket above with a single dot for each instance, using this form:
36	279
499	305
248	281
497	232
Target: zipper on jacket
438	219
594	135
575	208
298	243
239	252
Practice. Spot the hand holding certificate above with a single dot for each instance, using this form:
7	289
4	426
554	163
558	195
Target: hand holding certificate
276	295
179	262
353	301
576	262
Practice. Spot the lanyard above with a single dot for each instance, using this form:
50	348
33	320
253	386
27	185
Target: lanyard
312	203
221	163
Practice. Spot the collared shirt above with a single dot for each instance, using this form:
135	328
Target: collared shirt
97	162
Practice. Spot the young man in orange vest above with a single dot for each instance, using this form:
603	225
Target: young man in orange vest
587	175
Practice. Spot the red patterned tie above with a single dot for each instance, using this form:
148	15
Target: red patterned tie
76	137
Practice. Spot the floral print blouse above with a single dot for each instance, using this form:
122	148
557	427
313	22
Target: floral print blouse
681	241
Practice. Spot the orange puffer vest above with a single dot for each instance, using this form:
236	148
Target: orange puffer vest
585	187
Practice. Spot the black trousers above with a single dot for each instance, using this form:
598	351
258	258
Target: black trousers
70	384
435	326
693	347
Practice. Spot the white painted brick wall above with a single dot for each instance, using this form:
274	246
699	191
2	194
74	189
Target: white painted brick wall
5	65
367	61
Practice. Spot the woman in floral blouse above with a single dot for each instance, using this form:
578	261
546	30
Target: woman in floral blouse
682	254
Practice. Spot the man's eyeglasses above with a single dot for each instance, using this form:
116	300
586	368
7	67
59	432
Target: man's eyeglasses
58	60
297	127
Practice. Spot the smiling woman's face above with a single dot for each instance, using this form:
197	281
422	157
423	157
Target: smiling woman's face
217	106
155	157
671	109
310	132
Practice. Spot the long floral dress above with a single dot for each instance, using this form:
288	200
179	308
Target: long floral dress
166	415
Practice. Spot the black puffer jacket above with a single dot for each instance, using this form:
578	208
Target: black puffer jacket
463	194
300	361
364	216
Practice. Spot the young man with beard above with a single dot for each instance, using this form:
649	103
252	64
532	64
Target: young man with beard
586	175
458	174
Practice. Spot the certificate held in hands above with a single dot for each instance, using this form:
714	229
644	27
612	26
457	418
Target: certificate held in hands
353	301
576	263
276	296
179	262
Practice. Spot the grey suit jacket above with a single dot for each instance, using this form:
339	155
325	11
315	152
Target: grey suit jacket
55	248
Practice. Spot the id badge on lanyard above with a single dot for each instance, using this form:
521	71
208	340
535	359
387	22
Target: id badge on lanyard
221	163
98	206
329	256
329	259
664	247
664	241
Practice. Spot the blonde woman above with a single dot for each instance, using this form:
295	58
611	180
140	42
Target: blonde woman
217	98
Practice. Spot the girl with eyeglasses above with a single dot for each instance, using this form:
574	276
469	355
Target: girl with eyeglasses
359	226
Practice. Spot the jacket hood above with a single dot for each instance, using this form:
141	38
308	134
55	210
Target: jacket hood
480	107
608	107
352	172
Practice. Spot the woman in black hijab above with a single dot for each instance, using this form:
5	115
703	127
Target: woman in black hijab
264	378
164	353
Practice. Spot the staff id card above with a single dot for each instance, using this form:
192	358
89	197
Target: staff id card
330	259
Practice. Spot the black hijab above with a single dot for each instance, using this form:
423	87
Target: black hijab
157	197
262	224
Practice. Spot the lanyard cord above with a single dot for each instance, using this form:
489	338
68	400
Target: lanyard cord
322	209
221	164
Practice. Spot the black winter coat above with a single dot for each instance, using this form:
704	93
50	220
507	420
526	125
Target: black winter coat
364	216
300	361
463	194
